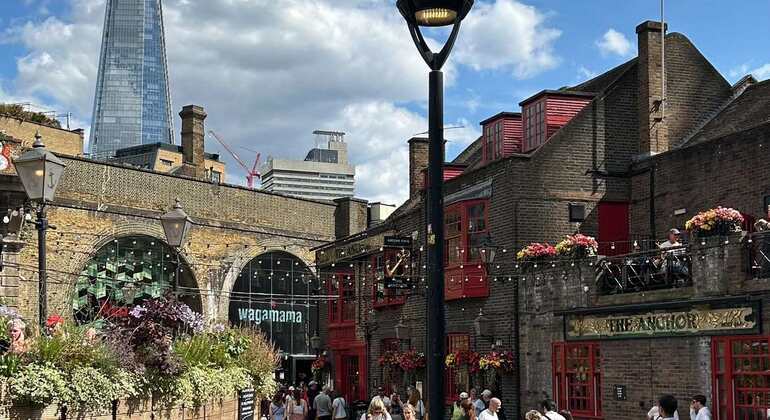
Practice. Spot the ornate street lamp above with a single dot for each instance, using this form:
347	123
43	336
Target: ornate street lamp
403	332
435	13
176	224
40	172
488	252
483	326
315	344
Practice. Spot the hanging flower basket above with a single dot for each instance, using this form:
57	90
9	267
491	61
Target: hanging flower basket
714	222
410	360
577	246
319	367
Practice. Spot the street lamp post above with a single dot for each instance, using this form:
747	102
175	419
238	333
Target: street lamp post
176	224
419	13
40	172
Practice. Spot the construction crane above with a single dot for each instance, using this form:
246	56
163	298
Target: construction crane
252	173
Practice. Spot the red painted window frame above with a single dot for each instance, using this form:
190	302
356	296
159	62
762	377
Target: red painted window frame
391	297
534	124
339	308
561	376
465	277
725	400
454	342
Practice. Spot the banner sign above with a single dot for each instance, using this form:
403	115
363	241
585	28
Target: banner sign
397	242
695	321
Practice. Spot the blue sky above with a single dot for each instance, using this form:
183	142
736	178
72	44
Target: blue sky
268	76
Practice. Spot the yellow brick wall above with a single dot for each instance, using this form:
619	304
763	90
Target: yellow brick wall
56	139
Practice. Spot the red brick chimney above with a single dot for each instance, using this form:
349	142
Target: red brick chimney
653	131
418	163
193	133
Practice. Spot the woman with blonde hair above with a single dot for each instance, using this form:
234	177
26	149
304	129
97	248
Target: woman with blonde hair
376	411
533	415
17	341
415	400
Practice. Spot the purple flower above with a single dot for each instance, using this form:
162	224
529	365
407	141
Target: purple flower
218	328
138	311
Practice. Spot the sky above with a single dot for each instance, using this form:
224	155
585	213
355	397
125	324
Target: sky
269	72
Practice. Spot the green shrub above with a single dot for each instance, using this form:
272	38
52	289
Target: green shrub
38	385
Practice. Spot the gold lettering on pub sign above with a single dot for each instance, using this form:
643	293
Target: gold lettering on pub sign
695	321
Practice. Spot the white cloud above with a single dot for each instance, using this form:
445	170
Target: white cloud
584	74
268	76
760	73
507	35
614	42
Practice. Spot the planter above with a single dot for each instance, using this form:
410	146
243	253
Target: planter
223	409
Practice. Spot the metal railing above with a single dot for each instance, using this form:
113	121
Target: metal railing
644	271
758	251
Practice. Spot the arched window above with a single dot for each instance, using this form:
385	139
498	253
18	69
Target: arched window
274	292
127	271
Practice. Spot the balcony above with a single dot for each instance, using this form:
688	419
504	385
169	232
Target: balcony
644	271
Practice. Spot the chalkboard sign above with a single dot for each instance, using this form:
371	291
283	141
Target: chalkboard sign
246	404
620	392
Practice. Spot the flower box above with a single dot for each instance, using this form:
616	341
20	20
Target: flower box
720	221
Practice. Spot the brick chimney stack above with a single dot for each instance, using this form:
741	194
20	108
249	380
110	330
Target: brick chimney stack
193	133
653	131
418	163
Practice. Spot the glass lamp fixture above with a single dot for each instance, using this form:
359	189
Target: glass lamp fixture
39	171
434	12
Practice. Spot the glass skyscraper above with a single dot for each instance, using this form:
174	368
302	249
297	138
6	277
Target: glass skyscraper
131	104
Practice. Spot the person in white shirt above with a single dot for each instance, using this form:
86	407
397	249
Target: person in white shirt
654	413
491	412
338	407
667	406
382	396
698	409
548	408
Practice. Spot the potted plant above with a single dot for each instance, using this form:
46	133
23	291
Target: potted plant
536	252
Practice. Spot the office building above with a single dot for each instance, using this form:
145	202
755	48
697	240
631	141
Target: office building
325	174
131	103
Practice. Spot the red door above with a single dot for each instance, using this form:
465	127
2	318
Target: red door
613	228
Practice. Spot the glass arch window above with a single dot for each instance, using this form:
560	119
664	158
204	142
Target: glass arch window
274	293
125	272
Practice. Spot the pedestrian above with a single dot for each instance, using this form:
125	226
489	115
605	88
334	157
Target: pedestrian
338	407
533	415
469	413
491	412
667	406
480	403
323	405
654	413
548	407
17	340
415	400
698	409
376	411
289	395
385	399
457	407
409	413
312	393
277	407
396	407
297	407
566	414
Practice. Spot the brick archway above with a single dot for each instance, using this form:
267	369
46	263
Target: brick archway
219	305
103	238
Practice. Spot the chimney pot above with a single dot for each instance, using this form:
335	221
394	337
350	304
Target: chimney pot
418	163
193	134
653	130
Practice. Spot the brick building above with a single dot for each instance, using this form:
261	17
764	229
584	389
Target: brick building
612	158
247	258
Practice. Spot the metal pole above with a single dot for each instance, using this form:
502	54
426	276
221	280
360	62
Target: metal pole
42	275
436	323
176	274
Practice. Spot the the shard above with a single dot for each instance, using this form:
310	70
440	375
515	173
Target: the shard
132	105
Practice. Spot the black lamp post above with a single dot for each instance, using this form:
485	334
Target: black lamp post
40	172
176	224
435	13
315	340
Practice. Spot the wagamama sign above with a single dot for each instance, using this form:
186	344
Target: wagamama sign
257	316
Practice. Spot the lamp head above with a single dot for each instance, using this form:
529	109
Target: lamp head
434	12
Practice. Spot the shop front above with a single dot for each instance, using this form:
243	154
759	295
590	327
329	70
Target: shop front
274	293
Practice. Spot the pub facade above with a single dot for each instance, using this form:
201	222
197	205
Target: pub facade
603	335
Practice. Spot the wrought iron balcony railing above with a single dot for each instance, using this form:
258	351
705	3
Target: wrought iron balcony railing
758	251
644	271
